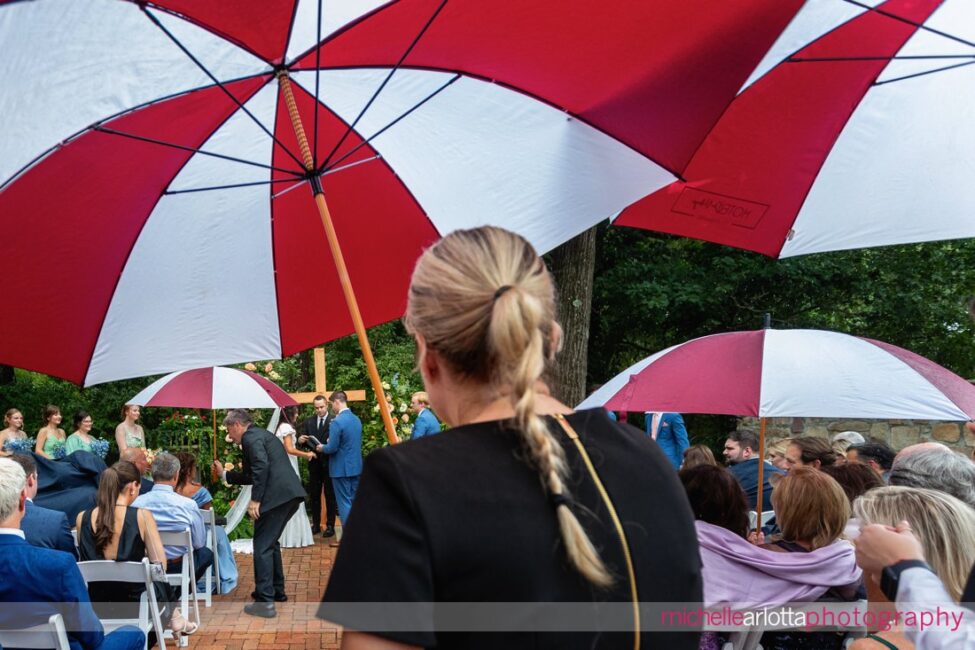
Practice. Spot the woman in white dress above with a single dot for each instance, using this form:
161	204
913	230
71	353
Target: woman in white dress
297	532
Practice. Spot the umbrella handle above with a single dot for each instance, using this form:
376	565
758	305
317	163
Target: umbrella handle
213	472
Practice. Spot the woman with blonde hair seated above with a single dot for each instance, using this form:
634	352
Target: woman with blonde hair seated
524	503
944	525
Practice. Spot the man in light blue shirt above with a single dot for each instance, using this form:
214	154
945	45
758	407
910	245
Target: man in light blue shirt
174	512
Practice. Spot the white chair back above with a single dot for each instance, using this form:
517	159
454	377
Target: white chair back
186	579
135	573
47	635
213	574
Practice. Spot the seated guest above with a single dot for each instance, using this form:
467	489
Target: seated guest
775	454
698	455
842	441
877	455
716	497
188	483
812	512
115	530
809	451
742	458
944	526
42	526
36	583
137	456
174	512
854	478
935	466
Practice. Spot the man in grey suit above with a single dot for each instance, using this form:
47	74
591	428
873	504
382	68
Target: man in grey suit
276	493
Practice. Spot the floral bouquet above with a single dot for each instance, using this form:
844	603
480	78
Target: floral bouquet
19	445
58	452
99	447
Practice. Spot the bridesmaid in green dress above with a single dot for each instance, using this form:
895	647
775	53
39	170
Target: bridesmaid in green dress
81	438
128	433
13	422
50	436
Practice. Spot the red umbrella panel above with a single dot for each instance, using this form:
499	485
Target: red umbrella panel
854	131
212	389
170	160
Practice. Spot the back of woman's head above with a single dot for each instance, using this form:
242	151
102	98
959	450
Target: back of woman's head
698	455
484	302
187	468
716	497
113	480
944	525
814	449
810	507
290	414
854	478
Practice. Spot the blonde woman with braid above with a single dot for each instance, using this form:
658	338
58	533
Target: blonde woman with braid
522	502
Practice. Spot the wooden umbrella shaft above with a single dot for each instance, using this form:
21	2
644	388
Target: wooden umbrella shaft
333	243
761	475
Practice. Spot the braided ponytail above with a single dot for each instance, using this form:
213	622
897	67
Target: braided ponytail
485	301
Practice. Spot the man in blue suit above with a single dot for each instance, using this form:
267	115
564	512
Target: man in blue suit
426	423
344	449
43	527
670	433
36	583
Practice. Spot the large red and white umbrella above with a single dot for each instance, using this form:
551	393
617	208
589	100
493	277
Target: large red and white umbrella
855	130
158	160
790	373
214	388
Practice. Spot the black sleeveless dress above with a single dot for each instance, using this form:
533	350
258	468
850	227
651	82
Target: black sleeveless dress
120	599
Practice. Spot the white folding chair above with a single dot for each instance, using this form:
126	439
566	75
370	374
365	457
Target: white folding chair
185	580
136	573
47	635
213	574
766	517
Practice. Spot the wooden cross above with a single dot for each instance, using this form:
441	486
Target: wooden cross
308	398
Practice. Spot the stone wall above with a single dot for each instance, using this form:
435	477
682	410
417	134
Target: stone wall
896	433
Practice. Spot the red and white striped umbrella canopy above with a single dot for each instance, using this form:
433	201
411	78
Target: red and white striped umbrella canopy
790	373
154	208
214	388
855	130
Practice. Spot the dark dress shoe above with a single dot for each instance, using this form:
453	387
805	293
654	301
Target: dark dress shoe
264	610
278	598
329	532
315	530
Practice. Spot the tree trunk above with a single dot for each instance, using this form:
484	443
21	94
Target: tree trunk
572	265
6	375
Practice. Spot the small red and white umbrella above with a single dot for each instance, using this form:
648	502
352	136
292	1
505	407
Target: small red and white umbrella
213	388
855	130
790	373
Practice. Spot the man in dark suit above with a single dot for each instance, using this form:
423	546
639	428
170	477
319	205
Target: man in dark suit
43	527
36	583
318	479
276	493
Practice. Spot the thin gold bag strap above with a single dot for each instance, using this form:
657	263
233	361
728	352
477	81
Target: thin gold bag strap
631	574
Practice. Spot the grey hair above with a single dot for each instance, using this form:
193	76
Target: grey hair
937	468
165	467
12	482
238	416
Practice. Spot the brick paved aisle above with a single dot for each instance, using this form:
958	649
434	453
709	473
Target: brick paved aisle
226	627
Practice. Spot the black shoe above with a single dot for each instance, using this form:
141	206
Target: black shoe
315	530
278	598
264	610
329	532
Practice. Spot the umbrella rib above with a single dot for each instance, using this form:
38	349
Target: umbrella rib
318	70
191	149
881	12
190	190
366	141
921	74
918	57
389	76
209	74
